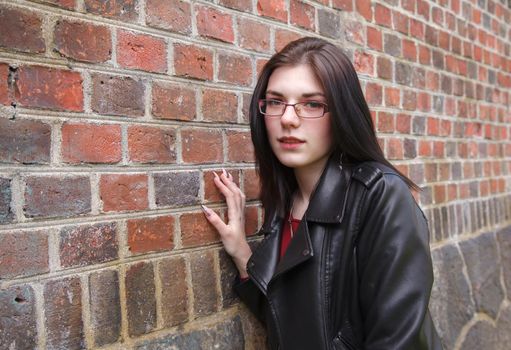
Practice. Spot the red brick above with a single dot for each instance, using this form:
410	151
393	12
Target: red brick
21	30
433	126
205	294
63	314
173	15
173	102
18	329
273	8
196	230
345	5
251	184
425	148
364	8
140	298
67	4
284	37
239	147
5	97
408	5
211	192
125	10
423	102
24	141
392	97
439	149
236	69
202	145
214	24
242	5
374	94
219	106
417	29
151	234
439	194
43	87
438	16
409	50
395	148
302	14
148	144
409	100
384	68
23	254
385	122
444	40
193	61
423	9
140	51
83	41
259	66
400	22
354	31
382	16
117	95
374	38
121	192
364	63
90	143
55	196
174	291
251	220
88	244
253	35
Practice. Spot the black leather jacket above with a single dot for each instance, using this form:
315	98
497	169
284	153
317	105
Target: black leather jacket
356	275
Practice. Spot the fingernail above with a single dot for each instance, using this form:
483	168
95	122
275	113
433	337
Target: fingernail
206	210
216	175
224	172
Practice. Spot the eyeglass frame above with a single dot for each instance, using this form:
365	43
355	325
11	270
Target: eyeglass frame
325	108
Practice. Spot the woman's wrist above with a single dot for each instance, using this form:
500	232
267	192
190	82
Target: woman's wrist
241	260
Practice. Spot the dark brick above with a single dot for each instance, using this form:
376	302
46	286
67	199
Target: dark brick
226	335
176	189
151	234
205	294
88	244
329	23
174	291
384	68
24	141
21	30
480	255
23	253
116	95
419	125
173	15
63	314
125	10
105	306
140	298
228	273
6	214
438	59
403	73
392	45
451	304
504	241
83	41
54	196
18	319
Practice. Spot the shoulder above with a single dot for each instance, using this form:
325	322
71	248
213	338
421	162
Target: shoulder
373	174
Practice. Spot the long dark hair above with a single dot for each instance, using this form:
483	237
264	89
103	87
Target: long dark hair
354	136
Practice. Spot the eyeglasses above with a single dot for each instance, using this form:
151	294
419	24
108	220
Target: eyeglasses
305	110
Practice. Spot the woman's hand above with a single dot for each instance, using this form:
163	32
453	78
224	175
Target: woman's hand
232	234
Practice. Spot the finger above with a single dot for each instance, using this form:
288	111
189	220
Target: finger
215	220
228	180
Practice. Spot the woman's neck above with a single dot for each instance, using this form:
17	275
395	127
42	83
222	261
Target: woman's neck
307	179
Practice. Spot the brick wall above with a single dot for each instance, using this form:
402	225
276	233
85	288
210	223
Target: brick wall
114	115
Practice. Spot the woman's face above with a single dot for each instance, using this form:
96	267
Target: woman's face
297	142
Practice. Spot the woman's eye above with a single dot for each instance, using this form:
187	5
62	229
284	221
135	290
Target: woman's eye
273	103
313	104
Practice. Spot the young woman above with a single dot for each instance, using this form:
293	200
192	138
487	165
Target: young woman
345	261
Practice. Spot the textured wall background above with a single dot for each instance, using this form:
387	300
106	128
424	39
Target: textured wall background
114	114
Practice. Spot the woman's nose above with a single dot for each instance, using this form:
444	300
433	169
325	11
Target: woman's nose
289	118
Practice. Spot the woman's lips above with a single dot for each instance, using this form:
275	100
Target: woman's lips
290	142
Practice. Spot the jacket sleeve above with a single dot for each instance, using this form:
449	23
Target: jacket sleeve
251	296
394	268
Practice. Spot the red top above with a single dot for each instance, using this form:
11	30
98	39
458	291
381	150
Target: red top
286	234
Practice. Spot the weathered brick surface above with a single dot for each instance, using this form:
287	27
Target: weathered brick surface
174	291
151	234
236	69
115	95
193	61
214	24
121	192
254	35
140	298
6	214
63	314
90	143
67	4
173	102
53	196
239	145
18	328
88	244
23	253
105	307
211	192
251	184
140	51
226	335
124	10
24	141
219	106
83	41
173	15
21	30
203	283
43	87
196	230
275	9
201	145
228	273
302	14
176	189
329	23
5	99
151	145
